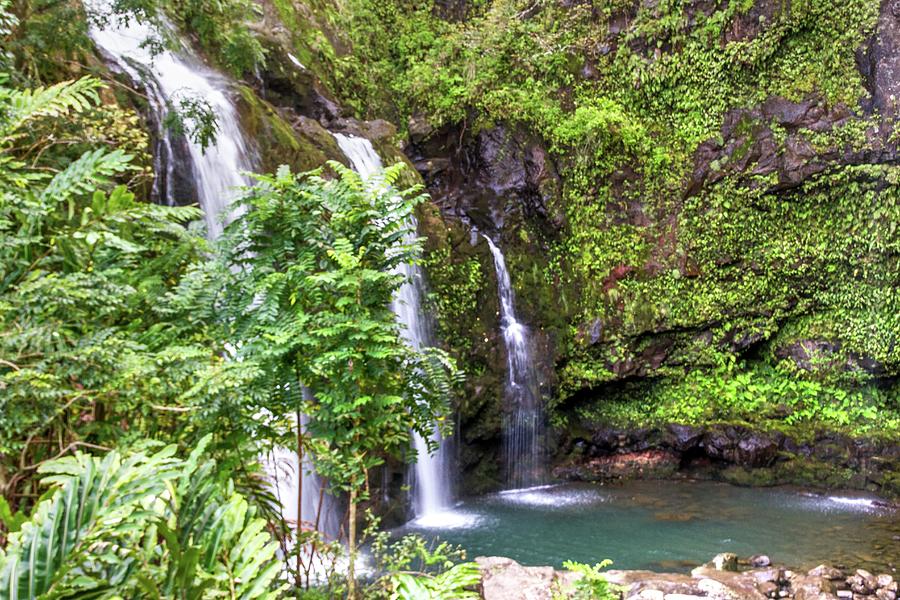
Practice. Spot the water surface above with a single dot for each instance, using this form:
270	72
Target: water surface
672	526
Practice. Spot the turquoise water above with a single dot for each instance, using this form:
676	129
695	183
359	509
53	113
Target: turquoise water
671	525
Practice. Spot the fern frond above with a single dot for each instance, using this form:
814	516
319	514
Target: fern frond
90	170
54	101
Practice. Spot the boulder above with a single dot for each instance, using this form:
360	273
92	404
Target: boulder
724	584
808	587
505	579
639	582
719	591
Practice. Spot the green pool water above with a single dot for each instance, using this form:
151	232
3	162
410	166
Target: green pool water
671	526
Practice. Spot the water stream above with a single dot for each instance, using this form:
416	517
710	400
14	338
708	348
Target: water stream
523	426
432	491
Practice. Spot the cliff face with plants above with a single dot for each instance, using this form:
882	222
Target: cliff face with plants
698	202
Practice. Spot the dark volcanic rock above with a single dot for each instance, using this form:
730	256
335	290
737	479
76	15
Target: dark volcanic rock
489	177
735	454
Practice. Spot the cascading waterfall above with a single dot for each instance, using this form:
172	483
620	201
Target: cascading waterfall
432	493
523	427
167	77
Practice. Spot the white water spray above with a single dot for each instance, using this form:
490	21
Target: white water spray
524	420
432	493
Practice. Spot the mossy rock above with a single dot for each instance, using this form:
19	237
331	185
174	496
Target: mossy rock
303	146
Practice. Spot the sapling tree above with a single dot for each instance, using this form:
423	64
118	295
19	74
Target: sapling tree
311	263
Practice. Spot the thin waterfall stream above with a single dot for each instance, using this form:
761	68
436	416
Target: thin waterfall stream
432	489
217	171
523	426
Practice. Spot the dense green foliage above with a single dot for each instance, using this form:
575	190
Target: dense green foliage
739	296
591	585
312	266
119	325
622	94
89	342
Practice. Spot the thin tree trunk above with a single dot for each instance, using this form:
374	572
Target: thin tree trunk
351	575
299	495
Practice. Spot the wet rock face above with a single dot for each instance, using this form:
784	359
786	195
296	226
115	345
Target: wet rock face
498	177
178	185
879	61
732	453
749	146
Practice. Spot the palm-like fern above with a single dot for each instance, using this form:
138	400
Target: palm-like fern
139	526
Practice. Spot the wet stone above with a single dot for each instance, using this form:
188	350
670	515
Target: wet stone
827	572
760	560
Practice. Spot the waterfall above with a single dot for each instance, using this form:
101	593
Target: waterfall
523	423
168	76
432	492
320	510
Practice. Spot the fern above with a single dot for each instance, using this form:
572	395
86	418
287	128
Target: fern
98	533
85	174
55	101
74	538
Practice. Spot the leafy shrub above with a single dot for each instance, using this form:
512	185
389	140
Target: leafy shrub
591	585
139	525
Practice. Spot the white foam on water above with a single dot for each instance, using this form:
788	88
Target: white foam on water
447	519
296	62
863	503
549	496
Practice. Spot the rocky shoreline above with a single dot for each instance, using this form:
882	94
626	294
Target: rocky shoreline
726	577
732	453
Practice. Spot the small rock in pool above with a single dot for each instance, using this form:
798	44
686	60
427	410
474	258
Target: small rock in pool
760	560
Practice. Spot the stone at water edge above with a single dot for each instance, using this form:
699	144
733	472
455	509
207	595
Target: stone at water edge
505	579
886	594
726	561
808	587
769	575
720	591
862	582
826	572
768	588
886	581
760	560
725	585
